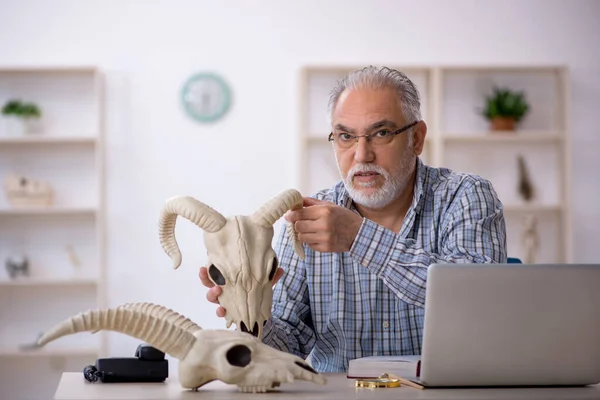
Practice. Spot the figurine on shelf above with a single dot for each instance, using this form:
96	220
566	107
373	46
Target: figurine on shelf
74	261
525	186
23	191
530	239
17	265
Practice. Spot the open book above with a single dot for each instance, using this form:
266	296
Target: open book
374	366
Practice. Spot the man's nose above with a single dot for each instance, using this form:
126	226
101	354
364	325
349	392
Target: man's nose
363	151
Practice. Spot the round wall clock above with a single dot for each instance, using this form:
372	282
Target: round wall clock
206	97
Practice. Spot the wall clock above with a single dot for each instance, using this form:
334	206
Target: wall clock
206	97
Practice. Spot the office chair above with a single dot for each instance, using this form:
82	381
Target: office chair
514	260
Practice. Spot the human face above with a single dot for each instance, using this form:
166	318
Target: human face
375	175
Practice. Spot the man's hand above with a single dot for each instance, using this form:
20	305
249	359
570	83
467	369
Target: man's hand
214	291
324	226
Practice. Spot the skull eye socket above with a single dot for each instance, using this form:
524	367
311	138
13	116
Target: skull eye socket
273	269
239	355
216	275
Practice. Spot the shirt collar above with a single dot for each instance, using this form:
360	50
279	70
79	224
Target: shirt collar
420	183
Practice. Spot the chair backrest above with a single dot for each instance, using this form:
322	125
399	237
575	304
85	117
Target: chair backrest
514	260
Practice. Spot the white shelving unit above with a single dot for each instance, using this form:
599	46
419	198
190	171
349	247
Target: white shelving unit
460	138
68	153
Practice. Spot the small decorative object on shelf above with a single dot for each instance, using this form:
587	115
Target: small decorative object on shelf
505	109
525	186
74	261
21	118
530	240
24	192
17	265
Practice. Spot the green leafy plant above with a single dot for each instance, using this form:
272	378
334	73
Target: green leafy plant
506	103
21	109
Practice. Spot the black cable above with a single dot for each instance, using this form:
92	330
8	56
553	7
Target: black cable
91	374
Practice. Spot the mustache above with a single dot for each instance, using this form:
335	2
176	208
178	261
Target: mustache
366	168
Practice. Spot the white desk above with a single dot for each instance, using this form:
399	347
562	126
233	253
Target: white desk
73	386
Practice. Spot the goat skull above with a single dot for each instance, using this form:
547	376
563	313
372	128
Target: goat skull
240	255
232	357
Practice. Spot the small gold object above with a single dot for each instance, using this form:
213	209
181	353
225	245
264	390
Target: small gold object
383	381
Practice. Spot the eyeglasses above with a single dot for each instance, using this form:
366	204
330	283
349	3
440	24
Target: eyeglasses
379	138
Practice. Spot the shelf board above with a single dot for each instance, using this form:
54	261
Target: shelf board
506	137
47	210
344	69
36	282
48	352
48	140
531	68
48	69
534	208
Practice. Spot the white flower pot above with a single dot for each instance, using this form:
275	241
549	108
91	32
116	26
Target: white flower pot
15	126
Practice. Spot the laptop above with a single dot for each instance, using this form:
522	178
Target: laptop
489	325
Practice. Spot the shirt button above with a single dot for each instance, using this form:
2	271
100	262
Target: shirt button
386	324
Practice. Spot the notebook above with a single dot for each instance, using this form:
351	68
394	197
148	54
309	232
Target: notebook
375	366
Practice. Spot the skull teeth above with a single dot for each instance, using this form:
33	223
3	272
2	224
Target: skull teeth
229	322
253	389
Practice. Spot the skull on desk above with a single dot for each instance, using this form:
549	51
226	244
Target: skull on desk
229	356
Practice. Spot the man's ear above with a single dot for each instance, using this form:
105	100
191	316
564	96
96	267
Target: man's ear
419	133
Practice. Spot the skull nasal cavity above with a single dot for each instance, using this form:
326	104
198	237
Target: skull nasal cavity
216	275
273	269
239	355
244	328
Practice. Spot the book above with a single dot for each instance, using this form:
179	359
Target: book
374	366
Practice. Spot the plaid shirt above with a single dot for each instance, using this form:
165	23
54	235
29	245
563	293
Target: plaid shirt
370	300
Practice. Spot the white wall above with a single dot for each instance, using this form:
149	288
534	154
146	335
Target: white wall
148	49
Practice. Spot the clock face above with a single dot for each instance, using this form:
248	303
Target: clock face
206	97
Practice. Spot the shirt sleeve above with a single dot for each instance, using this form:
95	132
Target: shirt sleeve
473	231
290	328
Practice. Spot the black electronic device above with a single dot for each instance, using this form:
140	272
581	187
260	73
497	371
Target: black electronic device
148	365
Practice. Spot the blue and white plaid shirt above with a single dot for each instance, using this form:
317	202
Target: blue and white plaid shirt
370	300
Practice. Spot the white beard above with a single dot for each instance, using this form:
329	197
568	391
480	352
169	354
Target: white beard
394	182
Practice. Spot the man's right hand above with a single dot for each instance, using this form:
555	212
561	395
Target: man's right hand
214	291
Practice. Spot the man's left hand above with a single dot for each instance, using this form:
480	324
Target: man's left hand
324	226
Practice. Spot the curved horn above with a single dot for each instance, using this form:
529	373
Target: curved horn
188	207
274	209
157	332
163	312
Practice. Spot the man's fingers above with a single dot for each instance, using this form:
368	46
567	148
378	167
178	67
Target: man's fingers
213	294
291	216
309	201
306	226
312	239
204	277
220	312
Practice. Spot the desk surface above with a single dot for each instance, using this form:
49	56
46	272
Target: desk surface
73	386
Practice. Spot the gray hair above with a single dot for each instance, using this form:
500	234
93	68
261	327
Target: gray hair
376	78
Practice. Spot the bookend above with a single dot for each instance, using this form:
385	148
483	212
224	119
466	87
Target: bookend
148	365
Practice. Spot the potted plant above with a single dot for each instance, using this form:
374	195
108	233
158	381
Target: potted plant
20	116
505	109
